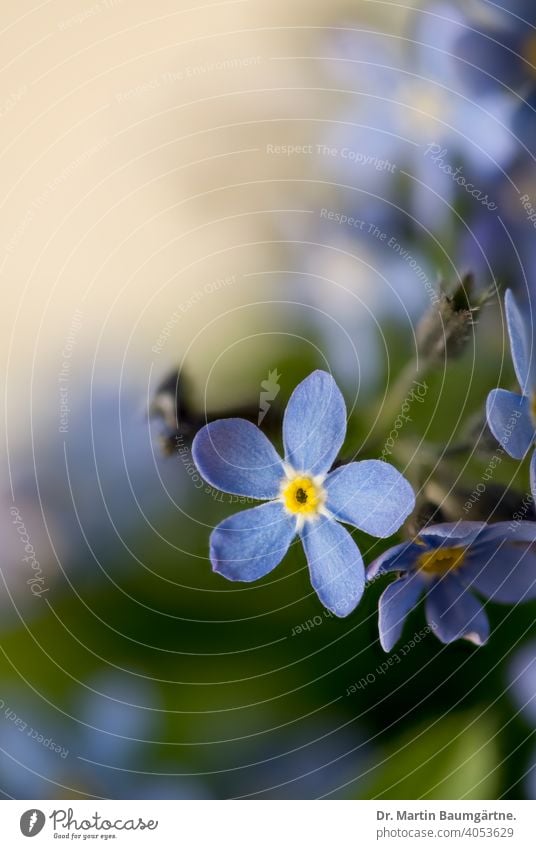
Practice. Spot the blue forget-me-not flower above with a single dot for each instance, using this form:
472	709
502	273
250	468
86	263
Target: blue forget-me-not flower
447	562
512	417
303	497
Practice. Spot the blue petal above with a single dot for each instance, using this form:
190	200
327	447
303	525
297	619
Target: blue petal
372	495
519	342
362	57
248	545
235	456
314	425
335	564
517	530
394	605
510	422
455	614
502	572
436	35
116	711
399	558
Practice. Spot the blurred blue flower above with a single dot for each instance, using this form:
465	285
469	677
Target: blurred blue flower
312	760
87	495
235	456
33	766
522	674
512	417
101	747
353	285
446	562
119	719
503	247
498	50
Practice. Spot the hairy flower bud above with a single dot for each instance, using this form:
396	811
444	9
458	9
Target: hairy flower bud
172	404
486	501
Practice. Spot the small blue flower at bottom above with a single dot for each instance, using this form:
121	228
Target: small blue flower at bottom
446	562
512	417
303	496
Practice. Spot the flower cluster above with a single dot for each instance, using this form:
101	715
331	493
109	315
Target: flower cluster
304	496
433	128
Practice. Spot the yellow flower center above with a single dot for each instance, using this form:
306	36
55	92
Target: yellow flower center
302	495
441	560
529	53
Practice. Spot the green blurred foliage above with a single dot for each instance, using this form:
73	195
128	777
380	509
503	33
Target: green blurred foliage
235	679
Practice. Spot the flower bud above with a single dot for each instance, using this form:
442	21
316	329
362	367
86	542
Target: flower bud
445	328
180	420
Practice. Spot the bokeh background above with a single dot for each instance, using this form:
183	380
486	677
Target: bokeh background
229	189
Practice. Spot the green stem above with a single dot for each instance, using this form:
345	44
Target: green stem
401	390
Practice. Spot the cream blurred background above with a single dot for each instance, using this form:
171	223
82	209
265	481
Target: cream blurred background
138	193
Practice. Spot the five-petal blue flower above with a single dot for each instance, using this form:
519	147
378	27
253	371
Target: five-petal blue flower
511	417
446	562
303	497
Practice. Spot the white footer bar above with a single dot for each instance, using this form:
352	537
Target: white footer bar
268	824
